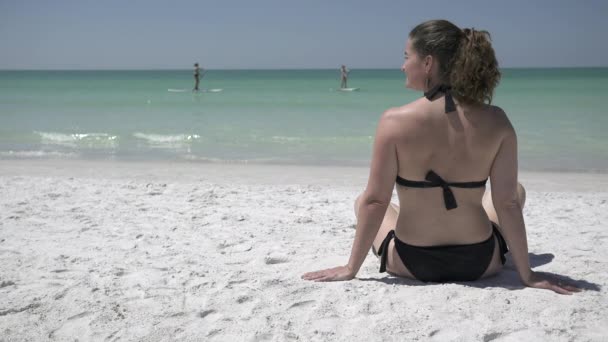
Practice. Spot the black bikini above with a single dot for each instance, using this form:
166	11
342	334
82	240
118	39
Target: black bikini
434	181
446	263
449	262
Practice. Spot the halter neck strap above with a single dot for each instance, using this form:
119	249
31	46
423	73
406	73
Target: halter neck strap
450	106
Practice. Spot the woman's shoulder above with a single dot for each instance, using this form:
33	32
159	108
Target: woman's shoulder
407	112
404	119
494	110
498	116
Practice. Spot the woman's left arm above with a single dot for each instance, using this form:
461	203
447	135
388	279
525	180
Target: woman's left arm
373	202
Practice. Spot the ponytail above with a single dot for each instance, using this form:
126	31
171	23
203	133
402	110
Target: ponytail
474	74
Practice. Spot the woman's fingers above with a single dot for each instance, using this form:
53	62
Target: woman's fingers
567	285
324	275
330	274
324	278
554	284
572	288
559	289
311	275
316	276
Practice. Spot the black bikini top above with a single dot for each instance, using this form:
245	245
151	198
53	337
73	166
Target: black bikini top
433	181
450	106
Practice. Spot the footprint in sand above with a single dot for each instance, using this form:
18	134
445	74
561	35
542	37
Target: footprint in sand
53	196
276	258
61	270
6	283
205	313
243	299
155	189
304	219
80	315
302	304
119	272
18	310
209	315
61	294
235	246
260	337
534	334
491	337
446	334
86	221
76	327
231	284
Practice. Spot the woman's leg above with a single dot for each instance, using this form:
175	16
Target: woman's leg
394	265
496	263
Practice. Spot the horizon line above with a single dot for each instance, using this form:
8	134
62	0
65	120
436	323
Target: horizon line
279	69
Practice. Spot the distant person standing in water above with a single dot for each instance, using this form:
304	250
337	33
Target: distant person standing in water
343	76
197	76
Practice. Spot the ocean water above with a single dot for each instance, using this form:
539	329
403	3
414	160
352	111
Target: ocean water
277	116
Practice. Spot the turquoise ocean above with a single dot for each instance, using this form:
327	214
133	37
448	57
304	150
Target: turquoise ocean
277	116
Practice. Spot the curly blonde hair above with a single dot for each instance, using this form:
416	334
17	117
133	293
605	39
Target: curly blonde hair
466	58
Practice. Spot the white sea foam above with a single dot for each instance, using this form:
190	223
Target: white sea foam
283	139
37	154
89	140
168	141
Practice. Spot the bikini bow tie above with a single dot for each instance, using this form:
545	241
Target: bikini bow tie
450	106
448	195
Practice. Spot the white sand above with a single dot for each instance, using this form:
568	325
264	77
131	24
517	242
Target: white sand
109	251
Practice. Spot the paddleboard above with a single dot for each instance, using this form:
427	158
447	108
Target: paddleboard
348	89
216	90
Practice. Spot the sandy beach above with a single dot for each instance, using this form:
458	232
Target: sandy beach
143	251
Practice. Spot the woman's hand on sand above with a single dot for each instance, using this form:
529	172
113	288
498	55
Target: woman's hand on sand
339	273
542	281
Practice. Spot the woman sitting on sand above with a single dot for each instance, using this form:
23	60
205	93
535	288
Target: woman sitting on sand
440	150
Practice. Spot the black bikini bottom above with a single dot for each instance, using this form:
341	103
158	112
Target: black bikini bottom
448	262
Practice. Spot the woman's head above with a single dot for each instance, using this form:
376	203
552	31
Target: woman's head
437	51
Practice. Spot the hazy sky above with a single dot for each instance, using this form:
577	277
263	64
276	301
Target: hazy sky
279	34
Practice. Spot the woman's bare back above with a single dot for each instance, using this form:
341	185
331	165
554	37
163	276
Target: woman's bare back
460	147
